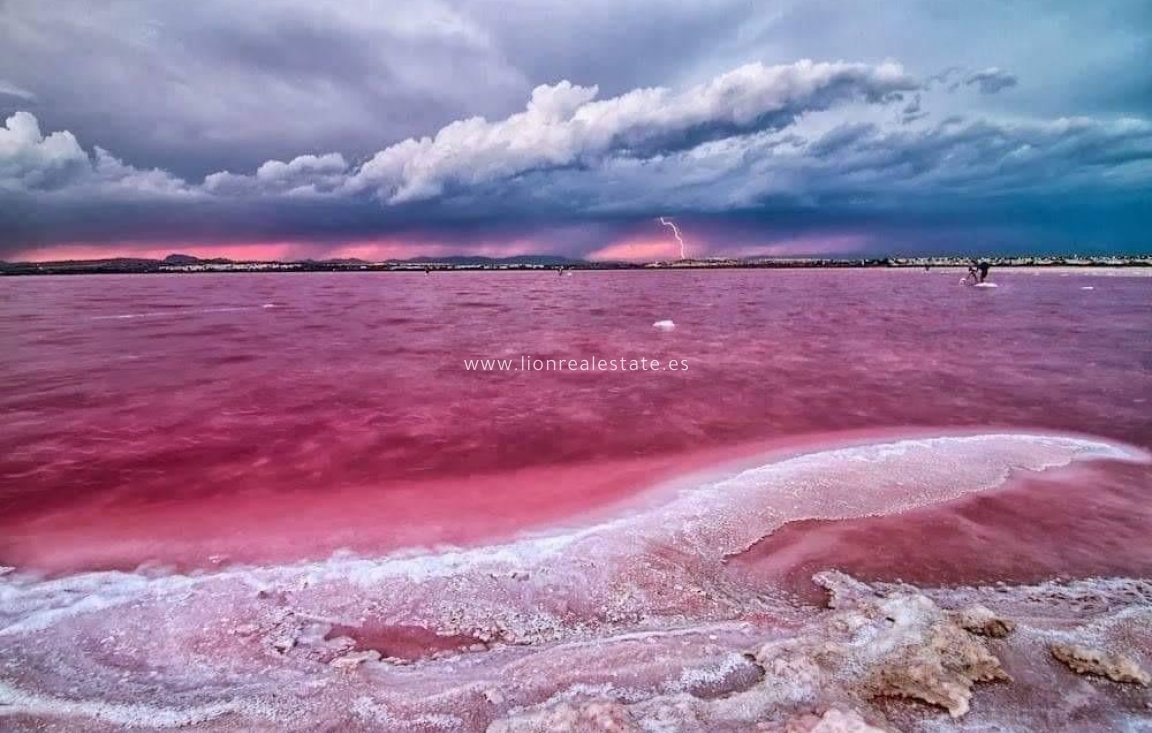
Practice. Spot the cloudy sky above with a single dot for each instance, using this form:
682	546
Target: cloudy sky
382	128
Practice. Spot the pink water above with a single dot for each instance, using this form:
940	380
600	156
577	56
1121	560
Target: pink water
173	417
219	421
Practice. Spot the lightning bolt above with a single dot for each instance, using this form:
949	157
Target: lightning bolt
676	232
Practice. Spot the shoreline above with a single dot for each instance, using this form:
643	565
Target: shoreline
615	620
1135	268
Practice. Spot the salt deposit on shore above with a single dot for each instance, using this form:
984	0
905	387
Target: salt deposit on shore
629	625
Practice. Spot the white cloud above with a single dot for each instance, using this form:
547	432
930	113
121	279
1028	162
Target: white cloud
28	159
564	125
32	161
110	172
303	175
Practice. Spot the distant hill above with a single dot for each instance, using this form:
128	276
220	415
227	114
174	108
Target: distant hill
182	259
108	262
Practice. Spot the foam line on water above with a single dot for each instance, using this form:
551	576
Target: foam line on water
708	520
181	312
868	480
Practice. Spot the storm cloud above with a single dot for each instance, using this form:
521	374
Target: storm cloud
462	125
990	81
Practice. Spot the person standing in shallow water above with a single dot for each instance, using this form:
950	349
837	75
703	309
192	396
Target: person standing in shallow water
978	271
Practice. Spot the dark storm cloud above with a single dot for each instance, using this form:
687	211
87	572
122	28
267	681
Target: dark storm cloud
1062	180
617	46
912	111
210	85
990	81
214	85
196	87
562	126
1058	185
147	121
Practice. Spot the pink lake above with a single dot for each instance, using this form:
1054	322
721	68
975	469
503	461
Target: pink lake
221	428
178	418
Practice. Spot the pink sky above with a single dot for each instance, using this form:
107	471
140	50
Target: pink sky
633	247
374	250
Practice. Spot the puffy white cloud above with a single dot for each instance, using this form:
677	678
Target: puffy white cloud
109	172
565	125
33	161
301	166
303	175
29	159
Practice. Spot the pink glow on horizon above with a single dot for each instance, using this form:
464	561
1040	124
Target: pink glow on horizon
638	250
244	251
645	248
661	248
370	250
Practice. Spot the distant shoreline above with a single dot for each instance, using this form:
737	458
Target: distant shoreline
193	266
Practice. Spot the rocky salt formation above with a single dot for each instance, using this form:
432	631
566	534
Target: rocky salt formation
1084	660
832	721
879	658
879	642
603	716
980	620
599	716
869	644
912	648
